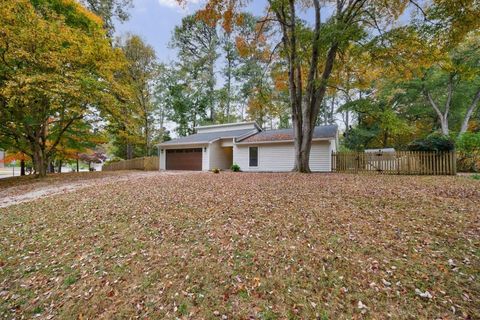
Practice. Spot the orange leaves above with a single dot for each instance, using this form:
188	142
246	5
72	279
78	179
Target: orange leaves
280	80
224	13
242	46
18	156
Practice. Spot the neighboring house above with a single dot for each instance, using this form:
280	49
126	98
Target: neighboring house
2	159
245	144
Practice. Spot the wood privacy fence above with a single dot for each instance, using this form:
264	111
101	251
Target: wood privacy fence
146	163
399	162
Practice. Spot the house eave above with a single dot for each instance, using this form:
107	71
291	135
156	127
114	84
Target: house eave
281	141
165	145
254	123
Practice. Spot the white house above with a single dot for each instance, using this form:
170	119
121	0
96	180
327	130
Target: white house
245	144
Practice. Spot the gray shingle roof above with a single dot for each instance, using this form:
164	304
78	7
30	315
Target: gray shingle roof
200	138
320	132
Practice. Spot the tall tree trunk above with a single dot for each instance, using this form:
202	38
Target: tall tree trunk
60	162
147	138
469	113
211	84
305	109
229	79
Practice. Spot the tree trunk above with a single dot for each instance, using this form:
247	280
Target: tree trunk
444	125
51	167
60	166
443	116
78	164
22	167
229	82
40	161
469	113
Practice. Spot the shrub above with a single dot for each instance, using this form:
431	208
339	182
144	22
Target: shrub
433	142
216	170
468	156
476	177
235	167
469	143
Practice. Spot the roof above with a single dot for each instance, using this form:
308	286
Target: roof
202	138
229	125
320	132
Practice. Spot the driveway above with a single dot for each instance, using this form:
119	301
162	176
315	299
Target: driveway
23	189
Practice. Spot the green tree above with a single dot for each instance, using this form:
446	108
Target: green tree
57	68
141	73
197	44
109	11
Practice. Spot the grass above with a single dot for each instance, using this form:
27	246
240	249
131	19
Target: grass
260	246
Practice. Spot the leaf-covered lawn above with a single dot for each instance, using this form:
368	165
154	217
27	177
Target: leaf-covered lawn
246	246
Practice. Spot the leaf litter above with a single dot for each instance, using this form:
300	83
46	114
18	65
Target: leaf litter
245	246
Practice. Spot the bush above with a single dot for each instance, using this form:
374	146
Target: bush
476	177
469	143
468	155
433	142
235	167
216	170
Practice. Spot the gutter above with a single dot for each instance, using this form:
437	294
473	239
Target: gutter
282	141
182	143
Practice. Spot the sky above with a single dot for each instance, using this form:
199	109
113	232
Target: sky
155	20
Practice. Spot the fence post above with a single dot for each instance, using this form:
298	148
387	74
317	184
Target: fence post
454	163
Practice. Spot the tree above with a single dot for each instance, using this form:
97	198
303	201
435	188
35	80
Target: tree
80	137
109	10
460	73
438	54
310	53
141	72
187	105
92	157
197	42
57	68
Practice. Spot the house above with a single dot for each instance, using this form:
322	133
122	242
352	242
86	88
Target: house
2	159
245	144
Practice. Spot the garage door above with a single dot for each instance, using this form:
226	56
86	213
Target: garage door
184	159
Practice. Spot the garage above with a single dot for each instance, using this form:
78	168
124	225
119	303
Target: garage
184	159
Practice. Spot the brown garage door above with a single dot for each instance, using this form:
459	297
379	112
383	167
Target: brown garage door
184	159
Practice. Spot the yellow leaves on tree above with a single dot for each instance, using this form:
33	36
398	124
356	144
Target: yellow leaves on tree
58	67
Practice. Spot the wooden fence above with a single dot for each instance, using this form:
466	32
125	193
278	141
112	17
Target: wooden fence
399	162
146	163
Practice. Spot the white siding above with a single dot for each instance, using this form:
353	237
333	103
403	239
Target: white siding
206	159
233	126
219	156
280	157
162	158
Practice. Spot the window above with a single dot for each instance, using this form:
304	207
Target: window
253	156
